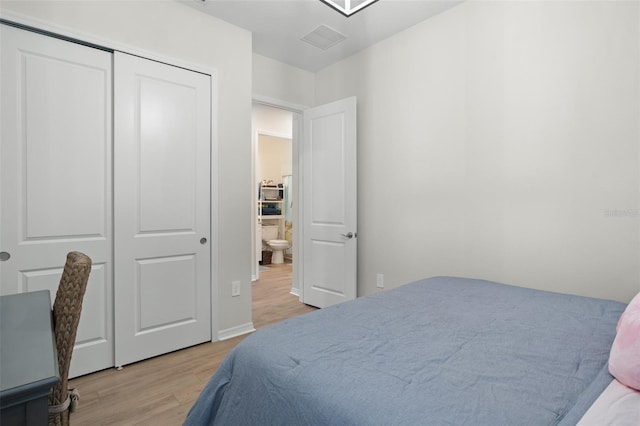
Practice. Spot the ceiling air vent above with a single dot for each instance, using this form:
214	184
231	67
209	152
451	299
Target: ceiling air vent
324	37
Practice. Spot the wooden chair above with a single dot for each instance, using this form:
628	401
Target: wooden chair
66	316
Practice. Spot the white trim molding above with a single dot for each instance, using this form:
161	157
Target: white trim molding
236	331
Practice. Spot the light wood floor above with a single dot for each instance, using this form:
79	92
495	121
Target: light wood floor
161	390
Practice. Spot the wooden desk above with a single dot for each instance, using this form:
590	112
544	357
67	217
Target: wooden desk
28	358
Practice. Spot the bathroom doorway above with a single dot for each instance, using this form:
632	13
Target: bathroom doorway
323	138
274	192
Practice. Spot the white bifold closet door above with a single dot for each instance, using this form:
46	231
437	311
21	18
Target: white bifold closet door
55	171
162	208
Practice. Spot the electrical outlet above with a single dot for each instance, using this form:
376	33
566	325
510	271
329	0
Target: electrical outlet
235	288
380	281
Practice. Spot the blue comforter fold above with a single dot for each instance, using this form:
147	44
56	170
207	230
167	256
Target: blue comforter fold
440	351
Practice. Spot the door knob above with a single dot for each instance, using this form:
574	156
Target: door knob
4	256
203	240
348	235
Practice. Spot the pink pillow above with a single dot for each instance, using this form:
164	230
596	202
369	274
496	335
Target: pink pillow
624	359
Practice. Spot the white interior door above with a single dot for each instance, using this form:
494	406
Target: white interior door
162	208
55	171
329	204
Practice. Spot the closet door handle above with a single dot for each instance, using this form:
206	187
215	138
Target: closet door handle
4	256
348	235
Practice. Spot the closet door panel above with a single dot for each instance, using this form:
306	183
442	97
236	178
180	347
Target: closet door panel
55	164
64	147
162	208
168	148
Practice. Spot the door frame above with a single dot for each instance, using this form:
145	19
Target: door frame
83	38
296	141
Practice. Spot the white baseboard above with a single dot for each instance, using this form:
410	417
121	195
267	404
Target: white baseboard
295	291
236	331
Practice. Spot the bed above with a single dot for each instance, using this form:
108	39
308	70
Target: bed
440	351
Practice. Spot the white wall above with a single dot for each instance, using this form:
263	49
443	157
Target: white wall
500	140
274	158
173	30
279	81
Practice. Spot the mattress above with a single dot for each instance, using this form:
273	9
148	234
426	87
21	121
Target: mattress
440	351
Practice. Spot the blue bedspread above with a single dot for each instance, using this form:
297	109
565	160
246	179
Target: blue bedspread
441	351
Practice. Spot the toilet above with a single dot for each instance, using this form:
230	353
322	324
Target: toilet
278	247
269	236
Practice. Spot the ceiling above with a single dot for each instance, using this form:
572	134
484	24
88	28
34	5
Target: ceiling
278	26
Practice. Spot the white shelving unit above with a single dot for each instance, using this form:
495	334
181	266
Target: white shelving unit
270	197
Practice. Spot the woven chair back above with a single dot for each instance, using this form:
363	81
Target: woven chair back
66	316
